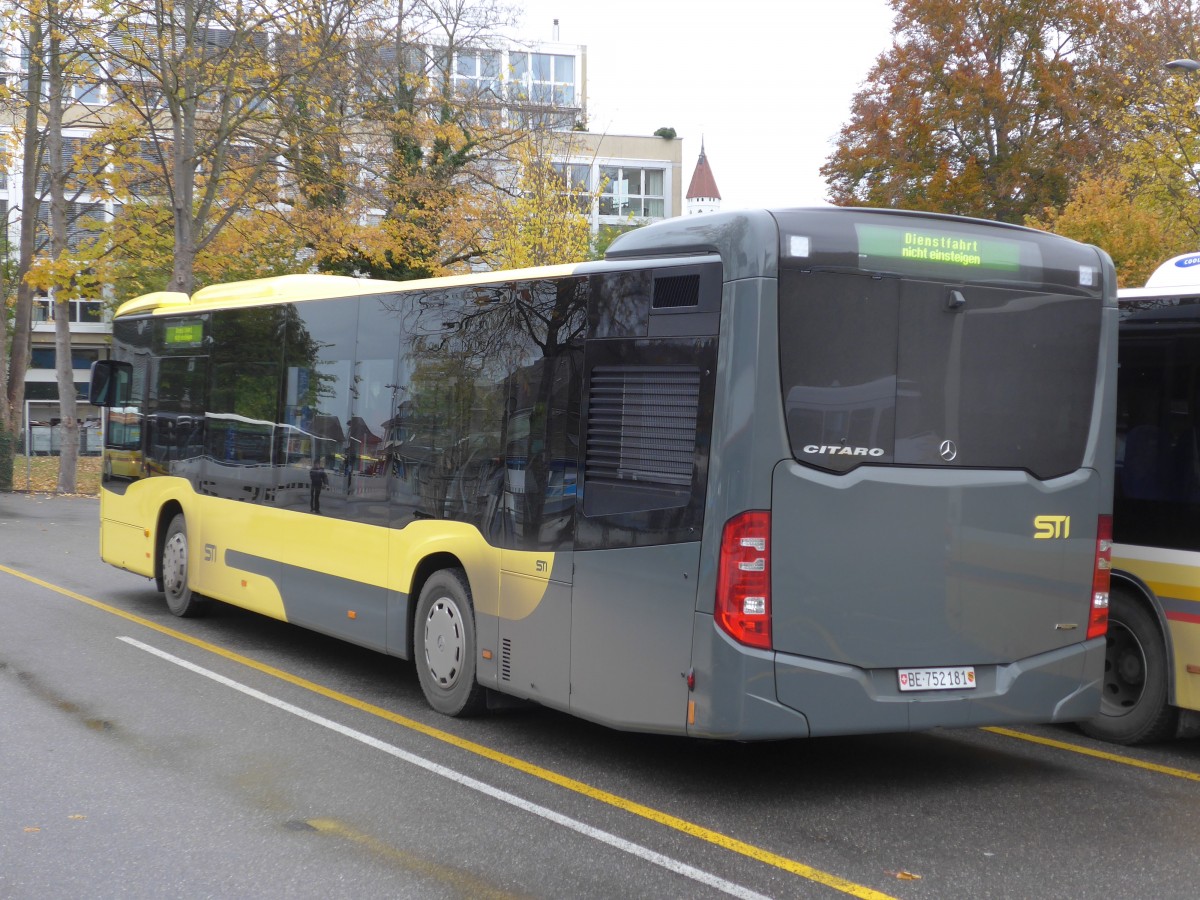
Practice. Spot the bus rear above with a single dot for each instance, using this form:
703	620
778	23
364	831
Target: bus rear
909	495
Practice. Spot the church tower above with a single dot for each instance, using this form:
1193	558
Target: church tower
702	193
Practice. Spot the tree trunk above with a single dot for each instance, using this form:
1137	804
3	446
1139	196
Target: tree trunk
6	440
18	360
68	447
68	409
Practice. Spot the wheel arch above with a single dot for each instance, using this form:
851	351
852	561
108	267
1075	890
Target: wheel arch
166	513
425	569
1145	595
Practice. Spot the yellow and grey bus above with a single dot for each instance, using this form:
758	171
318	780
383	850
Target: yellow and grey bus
759	474
1152	673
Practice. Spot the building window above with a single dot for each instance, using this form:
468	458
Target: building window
83	311
577	179
477	74
546	79
633	192
85	85
84	221
43	357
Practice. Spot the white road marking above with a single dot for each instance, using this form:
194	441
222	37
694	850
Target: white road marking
658	859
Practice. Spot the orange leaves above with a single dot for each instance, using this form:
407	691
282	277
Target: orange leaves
992	112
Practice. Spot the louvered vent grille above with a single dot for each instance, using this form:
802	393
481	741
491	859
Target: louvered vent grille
675	291
506	659
642	424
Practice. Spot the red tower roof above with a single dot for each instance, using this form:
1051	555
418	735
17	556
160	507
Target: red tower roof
703	184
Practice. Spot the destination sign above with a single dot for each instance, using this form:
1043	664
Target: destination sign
184	334
926	247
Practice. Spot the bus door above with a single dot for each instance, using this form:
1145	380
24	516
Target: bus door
537	510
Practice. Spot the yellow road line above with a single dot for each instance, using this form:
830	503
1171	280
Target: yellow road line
630	806
1098	754
466	883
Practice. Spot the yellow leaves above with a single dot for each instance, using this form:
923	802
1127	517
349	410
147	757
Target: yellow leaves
545	223
68	272
1127	222
254	244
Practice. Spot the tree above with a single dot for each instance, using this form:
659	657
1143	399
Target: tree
198	83
1109	212
544	222
433	135
8	22
28	97
54	36
1143	204
991	111
59	20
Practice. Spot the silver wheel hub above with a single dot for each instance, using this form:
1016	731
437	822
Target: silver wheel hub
444	642
175	564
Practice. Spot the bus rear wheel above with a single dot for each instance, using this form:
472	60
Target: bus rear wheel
445	645
1133	704
180	599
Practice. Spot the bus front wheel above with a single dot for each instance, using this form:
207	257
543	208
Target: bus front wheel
1133	704
446	646
180	598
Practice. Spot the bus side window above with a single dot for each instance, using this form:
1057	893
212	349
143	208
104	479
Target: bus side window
110	383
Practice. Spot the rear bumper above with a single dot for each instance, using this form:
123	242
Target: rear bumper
1059	686
748	694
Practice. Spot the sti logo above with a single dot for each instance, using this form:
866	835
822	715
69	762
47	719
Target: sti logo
210	552
542	566
1048	527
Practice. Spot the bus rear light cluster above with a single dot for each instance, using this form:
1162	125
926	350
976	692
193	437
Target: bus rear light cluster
743	604
1101	576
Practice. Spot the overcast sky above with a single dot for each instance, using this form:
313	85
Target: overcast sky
767	83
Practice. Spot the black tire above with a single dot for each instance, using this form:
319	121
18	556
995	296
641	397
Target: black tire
180	598
444	645
1133	704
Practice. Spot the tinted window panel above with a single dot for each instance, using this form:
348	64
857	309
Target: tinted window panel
318	376
838	358
487	416
885	370
1157	500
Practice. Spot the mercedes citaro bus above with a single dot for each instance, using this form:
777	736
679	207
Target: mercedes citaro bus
754	475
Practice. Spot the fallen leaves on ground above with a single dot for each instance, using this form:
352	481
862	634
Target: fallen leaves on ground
39	475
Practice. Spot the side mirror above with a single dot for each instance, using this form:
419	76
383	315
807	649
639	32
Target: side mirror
110	383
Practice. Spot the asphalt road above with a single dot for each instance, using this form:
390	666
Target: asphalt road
233	756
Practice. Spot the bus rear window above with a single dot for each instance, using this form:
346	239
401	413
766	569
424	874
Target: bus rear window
907	372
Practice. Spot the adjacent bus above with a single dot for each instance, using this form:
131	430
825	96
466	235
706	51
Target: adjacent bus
754	475
1152	671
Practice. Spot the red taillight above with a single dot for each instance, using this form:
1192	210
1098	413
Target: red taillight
1098	617
743	608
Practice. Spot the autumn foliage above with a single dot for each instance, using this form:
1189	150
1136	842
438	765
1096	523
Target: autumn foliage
989	108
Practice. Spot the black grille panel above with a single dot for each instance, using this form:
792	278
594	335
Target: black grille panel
674	291
642	424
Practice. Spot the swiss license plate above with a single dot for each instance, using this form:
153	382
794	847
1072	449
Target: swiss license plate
943	678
